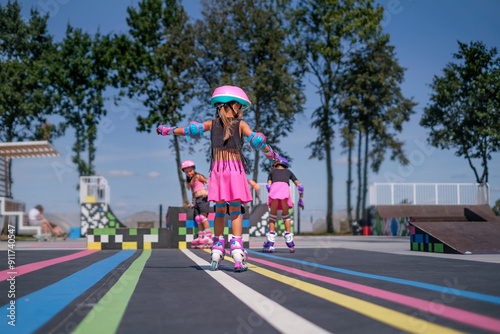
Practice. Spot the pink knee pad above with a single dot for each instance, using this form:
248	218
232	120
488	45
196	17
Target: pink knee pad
199	219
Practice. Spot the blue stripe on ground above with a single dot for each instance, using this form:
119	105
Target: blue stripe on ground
35	309
438	288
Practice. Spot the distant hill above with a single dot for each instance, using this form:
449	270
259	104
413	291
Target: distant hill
143	216
63	220
67	220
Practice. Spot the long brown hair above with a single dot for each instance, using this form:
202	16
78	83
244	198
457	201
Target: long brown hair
222	115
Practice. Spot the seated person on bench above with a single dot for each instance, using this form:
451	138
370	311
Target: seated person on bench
35	217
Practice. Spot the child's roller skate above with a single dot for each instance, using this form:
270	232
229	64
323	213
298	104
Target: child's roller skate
289	241
239	255
196	242
269	243
217	252
206	241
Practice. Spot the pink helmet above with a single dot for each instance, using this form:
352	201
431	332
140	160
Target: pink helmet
225	94
186	164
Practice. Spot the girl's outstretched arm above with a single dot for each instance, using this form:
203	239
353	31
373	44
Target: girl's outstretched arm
258	141
300	187
192	130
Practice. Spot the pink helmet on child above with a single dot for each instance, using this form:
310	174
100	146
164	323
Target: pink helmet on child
186	164
226	94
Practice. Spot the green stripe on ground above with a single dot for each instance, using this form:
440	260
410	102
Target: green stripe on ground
106	315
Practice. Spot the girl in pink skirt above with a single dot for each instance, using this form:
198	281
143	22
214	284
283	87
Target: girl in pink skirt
227	184
279	199
196	183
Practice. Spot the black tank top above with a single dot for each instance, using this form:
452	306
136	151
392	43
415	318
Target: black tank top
228	151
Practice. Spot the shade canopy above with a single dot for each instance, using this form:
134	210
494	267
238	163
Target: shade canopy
28	149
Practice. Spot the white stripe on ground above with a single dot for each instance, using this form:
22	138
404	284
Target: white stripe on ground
284	320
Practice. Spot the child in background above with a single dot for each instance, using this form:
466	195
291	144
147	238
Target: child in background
196	183
256	187
279	199
227	183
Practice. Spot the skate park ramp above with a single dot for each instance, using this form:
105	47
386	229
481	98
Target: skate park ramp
464	237
439	212
462	229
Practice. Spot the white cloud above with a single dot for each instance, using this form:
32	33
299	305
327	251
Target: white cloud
117	173
343	161
153	175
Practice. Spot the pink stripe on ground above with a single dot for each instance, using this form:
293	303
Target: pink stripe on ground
27	268
55	246
466	317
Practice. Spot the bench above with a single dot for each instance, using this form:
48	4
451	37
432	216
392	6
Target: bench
14	210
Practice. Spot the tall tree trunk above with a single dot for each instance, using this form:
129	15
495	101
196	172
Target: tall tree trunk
349	176
256	166
360	181
179	170
329	187
365	176
256	156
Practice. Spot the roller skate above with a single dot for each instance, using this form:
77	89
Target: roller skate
217	252
289	241
239	255
206	241
196	242
269	243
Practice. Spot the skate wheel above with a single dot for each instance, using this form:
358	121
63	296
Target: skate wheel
239	269
213	266
292	250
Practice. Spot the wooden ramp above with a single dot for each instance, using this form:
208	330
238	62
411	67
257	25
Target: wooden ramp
455	237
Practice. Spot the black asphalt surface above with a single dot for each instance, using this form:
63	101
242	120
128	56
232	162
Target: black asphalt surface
175	295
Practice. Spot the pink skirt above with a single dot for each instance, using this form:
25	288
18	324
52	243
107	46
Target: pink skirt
280	191
229	184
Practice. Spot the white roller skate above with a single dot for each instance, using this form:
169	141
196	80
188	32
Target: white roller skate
196	242
217	252
239	255
289	241
269	243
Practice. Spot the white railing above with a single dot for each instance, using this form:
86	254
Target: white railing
94	189
429	193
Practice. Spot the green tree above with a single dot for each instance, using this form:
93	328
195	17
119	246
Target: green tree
496	208
330	31
157	66
464	113
81	77
26	92
373	96
250	48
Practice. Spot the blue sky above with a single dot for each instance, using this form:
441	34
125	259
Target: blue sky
140	168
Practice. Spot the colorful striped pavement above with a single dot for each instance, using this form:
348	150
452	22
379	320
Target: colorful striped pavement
99	288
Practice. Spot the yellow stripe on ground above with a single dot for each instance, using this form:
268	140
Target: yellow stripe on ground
379	313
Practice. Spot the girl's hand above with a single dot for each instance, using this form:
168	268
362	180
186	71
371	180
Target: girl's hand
301	203
165	130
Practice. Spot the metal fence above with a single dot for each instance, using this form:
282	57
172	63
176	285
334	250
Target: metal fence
429	193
